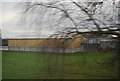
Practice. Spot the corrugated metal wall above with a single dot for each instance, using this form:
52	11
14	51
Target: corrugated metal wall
47	43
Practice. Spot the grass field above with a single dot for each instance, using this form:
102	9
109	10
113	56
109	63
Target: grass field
33	65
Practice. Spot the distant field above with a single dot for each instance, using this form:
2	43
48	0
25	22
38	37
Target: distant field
34	65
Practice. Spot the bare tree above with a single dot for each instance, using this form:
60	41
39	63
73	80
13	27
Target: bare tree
71	17
76	17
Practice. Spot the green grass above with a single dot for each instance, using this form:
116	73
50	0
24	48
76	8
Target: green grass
79	65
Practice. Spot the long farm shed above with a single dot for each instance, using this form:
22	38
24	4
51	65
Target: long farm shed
51	44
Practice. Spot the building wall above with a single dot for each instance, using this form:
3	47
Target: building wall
47	43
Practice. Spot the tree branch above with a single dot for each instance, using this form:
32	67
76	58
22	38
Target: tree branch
88	14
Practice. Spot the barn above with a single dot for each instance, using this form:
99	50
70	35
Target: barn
45	44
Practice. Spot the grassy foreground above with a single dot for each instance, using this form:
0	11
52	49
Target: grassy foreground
33	65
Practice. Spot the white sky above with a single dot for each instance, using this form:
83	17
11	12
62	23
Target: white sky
10	16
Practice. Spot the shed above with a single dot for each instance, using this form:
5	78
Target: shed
51	44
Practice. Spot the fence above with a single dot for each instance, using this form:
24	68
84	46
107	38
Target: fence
100	45
60	50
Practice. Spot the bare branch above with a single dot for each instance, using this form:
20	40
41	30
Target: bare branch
79	20
88	14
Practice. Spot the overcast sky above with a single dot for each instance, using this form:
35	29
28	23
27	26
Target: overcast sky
10	23
11	26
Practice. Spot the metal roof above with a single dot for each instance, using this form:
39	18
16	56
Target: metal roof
34	38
